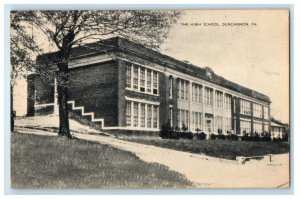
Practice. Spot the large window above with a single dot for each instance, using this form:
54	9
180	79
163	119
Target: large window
197	93
135	114
142	115
219	99
245	107
208	96
182	89
257	127
257	110
196	120
227	124
141	79
135	78
170	87
171	116
128	114
155	82
227	102
218	123
245	126
266	112
183	118
128	75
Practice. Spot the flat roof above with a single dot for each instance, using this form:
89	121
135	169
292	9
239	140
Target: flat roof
118	44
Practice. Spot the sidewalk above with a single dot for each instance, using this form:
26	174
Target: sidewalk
204	171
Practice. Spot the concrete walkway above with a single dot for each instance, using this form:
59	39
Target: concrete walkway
204	171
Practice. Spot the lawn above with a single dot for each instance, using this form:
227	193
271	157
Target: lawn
53	162
216	148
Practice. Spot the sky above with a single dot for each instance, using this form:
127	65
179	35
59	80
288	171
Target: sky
255	55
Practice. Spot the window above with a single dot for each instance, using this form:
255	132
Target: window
182	89
178	88
257	110
186	88
135	78
128	113
155	83
257	127
227	103
245	126
155	116
197	93
183	118
149	116
142	79
149	80
143	115
128	75
208	95
245	107
219	99
171	116
170	87
196	120
135	114
266	112
218	123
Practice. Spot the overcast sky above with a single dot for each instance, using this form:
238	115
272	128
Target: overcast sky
254	55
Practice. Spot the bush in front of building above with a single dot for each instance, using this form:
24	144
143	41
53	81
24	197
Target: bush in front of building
166	130
233	137
200	136
221	137
213	136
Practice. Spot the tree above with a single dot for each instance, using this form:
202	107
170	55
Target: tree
68	29
22	47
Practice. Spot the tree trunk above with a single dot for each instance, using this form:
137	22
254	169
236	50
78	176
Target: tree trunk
62	91
12	114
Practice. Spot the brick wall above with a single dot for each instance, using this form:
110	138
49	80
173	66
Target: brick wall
96	88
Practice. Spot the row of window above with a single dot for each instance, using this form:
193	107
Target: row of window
142	115
141	79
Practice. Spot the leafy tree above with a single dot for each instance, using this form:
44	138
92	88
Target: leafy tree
22	47
68	29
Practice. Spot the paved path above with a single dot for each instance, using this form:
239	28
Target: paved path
204	171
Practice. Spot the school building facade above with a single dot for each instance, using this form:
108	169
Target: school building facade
122	85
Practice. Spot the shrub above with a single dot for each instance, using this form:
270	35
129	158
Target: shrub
186	135
213	136
233	137
266	137
200	136
245	137
166	130
221	137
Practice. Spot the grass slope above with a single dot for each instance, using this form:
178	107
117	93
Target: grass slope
52	162
217	148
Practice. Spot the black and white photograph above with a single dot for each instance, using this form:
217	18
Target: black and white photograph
150	99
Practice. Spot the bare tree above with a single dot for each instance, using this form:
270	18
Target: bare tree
68	29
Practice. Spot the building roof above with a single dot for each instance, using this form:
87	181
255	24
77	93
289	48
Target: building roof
118	44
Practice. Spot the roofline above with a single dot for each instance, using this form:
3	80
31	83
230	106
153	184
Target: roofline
119	44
